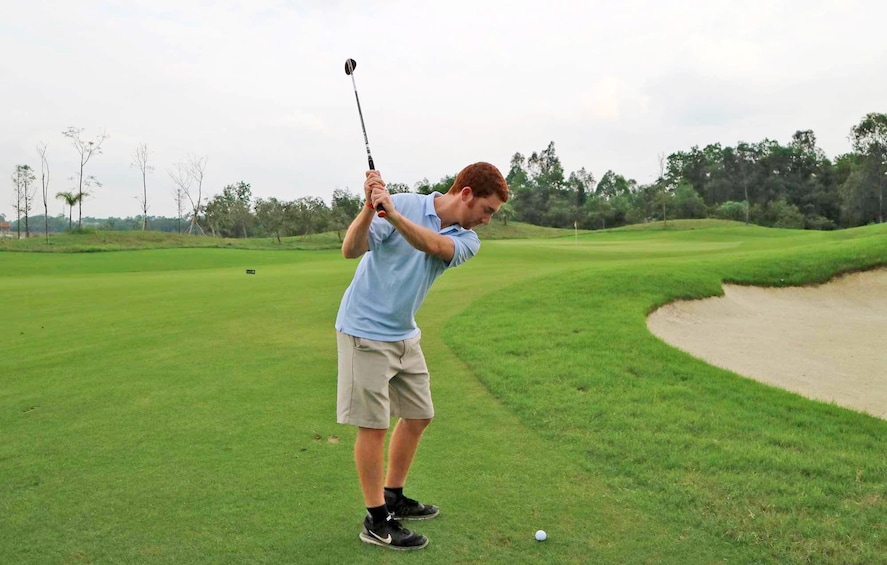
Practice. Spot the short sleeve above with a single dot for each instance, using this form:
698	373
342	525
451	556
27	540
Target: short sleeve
380	229
467	244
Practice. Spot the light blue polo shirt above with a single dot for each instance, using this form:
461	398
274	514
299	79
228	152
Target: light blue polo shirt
393	277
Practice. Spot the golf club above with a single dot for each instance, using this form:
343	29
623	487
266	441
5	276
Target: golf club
350	65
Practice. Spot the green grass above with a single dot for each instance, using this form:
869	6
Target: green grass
161	406
89	241
517	230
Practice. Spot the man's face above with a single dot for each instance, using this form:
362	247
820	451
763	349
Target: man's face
480	210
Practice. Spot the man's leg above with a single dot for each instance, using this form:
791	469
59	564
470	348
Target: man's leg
384	530
362	400
369	455
402	449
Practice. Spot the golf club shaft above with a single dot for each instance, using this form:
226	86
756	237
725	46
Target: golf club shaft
380	209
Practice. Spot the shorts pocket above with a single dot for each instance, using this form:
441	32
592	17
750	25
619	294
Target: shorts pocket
359	344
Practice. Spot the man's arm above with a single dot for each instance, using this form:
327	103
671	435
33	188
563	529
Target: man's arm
419	237
357	238
422	238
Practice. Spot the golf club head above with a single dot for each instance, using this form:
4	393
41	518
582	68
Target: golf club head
350	65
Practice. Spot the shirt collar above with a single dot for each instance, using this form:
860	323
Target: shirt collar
430	211
429	204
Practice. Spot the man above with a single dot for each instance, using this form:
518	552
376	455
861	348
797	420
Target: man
382	370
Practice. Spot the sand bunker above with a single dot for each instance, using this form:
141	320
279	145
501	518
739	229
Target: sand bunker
826	342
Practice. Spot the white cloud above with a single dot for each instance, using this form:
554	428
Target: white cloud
260	89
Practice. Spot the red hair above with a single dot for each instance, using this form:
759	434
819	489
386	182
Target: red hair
484	180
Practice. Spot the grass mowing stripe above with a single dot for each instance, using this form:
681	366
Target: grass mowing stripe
20	265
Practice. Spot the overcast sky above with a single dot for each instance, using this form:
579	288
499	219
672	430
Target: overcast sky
259	87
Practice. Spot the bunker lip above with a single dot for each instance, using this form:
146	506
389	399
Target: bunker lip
824	342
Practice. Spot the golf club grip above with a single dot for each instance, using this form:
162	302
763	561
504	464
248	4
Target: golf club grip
379	208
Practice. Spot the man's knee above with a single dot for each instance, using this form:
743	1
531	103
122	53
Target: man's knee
371	435
416	425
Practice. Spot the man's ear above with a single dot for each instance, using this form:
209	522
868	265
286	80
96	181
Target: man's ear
466	193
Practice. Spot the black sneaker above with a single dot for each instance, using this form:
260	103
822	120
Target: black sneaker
391	534
403	508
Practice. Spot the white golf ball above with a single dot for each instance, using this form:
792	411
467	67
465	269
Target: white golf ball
540	535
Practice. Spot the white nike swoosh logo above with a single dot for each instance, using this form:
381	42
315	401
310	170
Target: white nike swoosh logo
386	539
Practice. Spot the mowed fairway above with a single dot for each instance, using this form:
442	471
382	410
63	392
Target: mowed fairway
162	406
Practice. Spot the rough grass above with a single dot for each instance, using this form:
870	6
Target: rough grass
782	478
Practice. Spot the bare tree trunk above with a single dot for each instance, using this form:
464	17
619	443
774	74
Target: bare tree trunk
184	176
16	181
662	158
145	202
29	202
22	179
180	208
80	199
881	174
86	149
44	182
141	161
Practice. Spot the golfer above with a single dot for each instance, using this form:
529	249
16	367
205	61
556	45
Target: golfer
382	370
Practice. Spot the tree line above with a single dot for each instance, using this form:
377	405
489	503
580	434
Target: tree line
766	183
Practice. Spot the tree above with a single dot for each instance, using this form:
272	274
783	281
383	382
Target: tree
664	201
44	183
545	179
782	214
180	207
506	212
22	179
546	169
227	212
598	213
70	199
345	207
422	187
140	160
746	159
611	185
272	216
86	149
731	210
687	202
240	211
525	199
308	215
869	138
184	176
442	186
517	173
397	188
582	184
664	185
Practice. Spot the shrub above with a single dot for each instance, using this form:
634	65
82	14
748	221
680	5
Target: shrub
731	210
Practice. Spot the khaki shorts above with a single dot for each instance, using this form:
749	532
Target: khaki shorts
380	380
